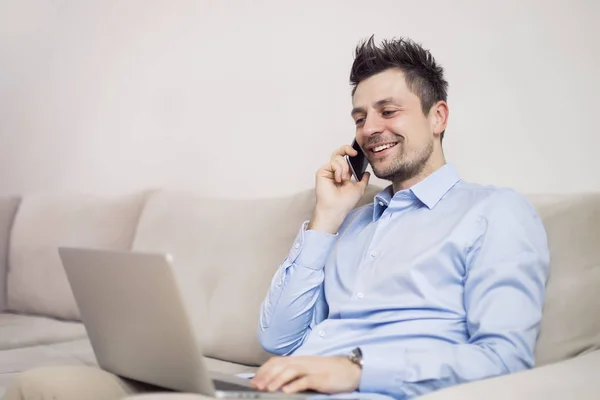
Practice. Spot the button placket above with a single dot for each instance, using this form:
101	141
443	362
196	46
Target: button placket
372	252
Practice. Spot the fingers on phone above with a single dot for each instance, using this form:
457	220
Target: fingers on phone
340	169
365	178
344	150
337	170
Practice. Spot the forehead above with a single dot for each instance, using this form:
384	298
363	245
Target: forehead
386	84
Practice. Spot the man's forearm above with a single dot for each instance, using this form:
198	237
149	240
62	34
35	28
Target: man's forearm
326	221
406	373
295	300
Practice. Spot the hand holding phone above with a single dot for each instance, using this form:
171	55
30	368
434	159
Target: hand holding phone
336	195
358	164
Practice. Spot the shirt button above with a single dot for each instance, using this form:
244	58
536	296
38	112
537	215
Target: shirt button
381	203
360	295
322	333
297	245
373	254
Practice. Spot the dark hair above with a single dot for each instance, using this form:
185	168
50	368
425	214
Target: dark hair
424	77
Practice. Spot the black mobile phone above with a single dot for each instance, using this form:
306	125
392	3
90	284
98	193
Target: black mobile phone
359	163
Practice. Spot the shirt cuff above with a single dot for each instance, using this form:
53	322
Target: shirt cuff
378	375
311	248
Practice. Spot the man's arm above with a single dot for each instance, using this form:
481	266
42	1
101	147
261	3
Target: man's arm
295	301
507	269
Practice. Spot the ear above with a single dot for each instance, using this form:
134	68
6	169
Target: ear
438	117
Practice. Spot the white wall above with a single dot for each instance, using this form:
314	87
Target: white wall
112	96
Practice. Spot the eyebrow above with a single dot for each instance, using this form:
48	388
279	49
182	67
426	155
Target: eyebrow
378	104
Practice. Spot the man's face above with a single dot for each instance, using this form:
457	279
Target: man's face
391	128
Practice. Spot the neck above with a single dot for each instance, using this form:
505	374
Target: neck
432	165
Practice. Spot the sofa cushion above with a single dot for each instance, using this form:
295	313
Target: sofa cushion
227	367
24	331
15	361
73	353
571	318
225	252
82	350
37	283
8	208
23	359
571	379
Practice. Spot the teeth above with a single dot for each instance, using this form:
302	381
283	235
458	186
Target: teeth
383	147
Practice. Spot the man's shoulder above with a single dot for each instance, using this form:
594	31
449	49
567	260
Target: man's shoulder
488	194
488	199
469	194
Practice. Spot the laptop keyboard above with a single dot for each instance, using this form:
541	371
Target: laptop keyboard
248	392
232	387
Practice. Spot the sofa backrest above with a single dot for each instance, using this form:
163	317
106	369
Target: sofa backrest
8	208
571	318
37	283
225	253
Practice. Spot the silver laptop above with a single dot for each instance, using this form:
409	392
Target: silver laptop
137	324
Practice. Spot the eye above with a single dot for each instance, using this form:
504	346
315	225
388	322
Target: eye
388	113
359	121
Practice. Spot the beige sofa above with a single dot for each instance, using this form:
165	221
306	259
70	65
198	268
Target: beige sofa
226	251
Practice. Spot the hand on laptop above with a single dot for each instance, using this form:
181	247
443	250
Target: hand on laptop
299	373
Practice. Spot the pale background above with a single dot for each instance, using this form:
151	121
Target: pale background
249	98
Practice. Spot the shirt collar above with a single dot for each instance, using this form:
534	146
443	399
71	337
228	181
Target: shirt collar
429	191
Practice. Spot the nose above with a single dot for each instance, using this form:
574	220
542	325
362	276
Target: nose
373	124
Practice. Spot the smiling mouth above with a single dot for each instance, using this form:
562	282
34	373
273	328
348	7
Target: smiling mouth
383	147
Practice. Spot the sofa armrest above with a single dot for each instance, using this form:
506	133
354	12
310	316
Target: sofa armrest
576	378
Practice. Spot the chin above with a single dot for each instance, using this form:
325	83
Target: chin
393	170
386	166
384	173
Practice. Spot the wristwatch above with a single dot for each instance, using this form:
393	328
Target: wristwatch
356	357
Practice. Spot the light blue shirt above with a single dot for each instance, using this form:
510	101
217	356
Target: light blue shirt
439	284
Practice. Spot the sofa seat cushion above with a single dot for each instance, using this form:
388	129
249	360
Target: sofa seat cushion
76	353
82	351
18	331
14	361
227	367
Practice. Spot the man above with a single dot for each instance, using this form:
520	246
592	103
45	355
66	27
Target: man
438	282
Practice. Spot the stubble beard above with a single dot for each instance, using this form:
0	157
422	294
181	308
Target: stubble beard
406	166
